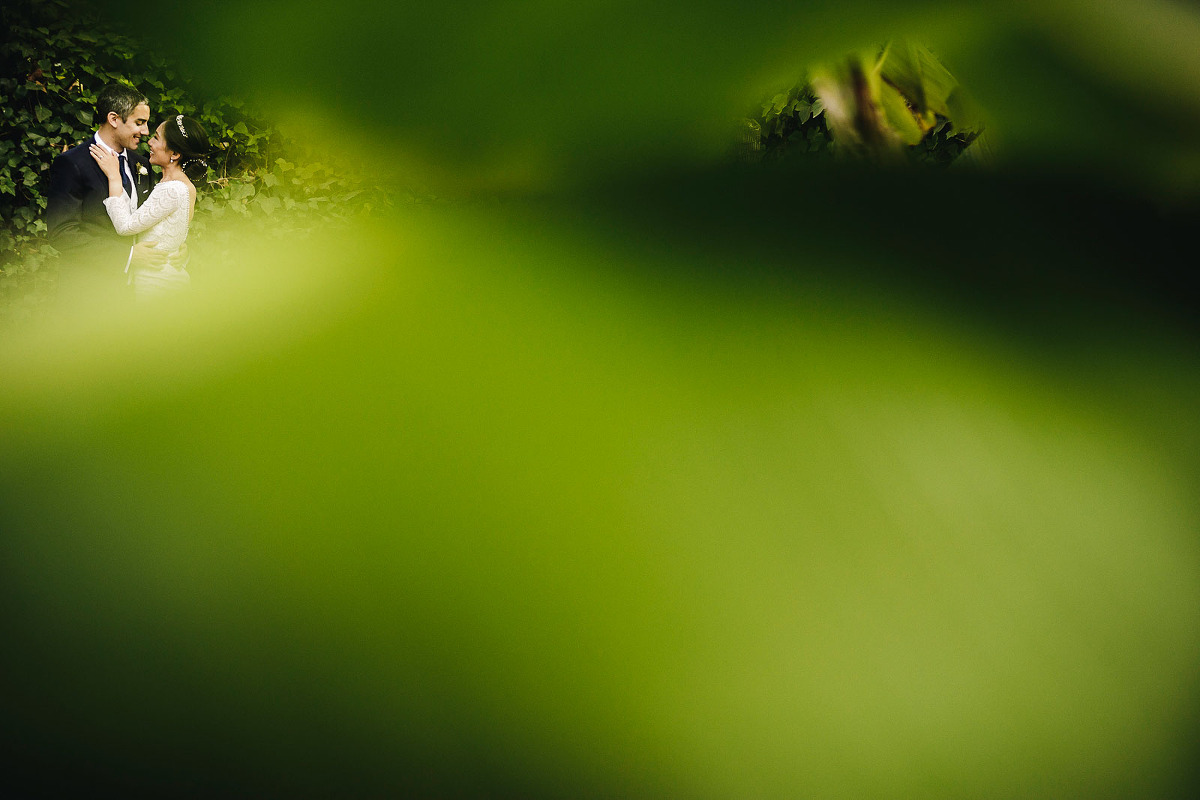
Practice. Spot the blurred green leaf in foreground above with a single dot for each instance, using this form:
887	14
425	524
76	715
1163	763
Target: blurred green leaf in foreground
647	475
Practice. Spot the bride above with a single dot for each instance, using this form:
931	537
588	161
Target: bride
177	147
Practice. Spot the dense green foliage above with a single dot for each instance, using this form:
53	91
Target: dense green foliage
900	101
54	62
791	122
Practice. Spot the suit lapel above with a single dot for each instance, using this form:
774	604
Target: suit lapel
85	157
141	177
135	166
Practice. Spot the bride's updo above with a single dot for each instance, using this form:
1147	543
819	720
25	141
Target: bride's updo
186	136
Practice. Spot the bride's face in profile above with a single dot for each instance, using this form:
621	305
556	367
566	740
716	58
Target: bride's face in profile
160	154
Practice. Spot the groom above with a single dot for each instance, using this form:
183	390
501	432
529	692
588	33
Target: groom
77	222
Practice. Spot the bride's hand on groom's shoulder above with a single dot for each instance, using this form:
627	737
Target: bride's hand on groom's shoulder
106	159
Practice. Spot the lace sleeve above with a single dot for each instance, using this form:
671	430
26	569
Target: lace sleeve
165	198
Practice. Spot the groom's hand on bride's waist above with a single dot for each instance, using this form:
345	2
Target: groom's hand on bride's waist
147	256
179	258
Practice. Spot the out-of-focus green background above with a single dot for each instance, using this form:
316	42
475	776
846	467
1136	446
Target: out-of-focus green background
631	471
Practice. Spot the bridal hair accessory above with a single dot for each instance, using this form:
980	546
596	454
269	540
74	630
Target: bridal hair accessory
179	122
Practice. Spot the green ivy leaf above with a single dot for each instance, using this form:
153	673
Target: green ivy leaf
267	204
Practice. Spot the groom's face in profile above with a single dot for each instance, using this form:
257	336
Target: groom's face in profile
129	131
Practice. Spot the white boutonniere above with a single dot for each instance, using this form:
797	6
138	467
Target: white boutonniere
142	169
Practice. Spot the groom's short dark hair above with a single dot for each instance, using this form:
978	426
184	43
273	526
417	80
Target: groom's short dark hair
120	98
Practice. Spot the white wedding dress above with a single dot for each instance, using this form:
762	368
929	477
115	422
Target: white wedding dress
164	218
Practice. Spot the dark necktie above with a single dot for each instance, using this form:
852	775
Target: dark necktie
125	176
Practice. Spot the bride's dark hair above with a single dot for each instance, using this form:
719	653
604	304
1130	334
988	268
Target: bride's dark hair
187	137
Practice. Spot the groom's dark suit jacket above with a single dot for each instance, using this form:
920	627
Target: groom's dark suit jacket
76	221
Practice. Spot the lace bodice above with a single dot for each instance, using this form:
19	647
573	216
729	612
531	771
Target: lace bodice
164	217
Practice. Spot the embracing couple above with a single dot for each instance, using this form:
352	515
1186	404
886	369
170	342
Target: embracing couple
105	209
